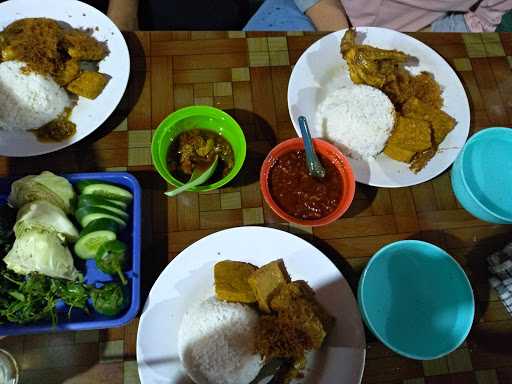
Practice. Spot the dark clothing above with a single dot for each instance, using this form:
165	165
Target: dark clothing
193	14
190	14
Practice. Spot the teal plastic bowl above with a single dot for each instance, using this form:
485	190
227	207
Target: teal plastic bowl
416	299
482	175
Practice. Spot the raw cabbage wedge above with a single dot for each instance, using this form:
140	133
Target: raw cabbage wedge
46	186
44	215
41	251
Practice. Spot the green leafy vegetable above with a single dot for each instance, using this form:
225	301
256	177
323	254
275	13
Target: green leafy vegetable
46	186
75	294
109	300
30	299
111	258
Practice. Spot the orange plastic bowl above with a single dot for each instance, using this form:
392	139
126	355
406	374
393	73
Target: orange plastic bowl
329	152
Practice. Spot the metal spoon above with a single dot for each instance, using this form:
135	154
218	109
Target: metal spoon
199	176
315	168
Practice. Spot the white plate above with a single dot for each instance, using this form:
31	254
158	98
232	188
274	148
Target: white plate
88	114
189	277
321	67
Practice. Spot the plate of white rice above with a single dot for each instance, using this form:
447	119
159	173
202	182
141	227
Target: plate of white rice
185	333
358	119
30	101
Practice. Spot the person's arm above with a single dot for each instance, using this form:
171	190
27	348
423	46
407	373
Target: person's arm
488	15
328	15
124	13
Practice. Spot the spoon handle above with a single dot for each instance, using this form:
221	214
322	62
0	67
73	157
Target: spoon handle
311	157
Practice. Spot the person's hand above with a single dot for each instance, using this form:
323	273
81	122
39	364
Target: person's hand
328	15
124	14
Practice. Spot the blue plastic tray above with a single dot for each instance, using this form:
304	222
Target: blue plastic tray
79	320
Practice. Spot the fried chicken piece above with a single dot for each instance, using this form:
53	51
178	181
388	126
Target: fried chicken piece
89	84
369	65
398	86
426	89
266	280
280	338
411	134
69	73
348	41
231	281
441	122
378	54
81	46
296	302
33	41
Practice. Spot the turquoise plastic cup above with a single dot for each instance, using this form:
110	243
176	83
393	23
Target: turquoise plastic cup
416	299
482	175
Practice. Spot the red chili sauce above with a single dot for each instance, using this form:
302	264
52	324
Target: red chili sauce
299	194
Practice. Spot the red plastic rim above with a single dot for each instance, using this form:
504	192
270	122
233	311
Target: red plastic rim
328	151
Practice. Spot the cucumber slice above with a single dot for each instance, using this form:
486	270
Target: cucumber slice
86	200
95	216
81	212
108	191
103	224
84	183
85	215
87	246
118	212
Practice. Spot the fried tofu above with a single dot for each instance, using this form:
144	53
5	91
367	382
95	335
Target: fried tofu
89	84
69	73
399	154
81	46
411	134
266	280
231	281
442	123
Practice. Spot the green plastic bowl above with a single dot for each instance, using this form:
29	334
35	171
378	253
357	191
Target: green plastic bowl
202	117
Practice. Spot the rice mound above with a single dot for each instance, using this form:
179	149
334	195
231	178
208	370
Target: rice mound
358	119
28	101
216	343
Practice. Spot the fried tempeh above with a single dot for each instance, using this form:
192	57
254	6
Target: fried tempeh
89	84
398	154
442	123
411	134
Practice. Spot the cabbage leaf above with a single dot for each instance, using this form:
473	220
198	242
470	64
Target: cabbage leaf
41	251
46	186
45	215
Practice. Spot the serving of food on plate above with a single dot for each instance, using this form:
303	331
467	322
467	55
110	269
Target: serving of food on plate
258	315
390	103
420	125
41	76
250	305
63	70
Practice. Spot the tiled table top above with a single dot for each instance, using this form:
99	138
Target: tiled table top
247	74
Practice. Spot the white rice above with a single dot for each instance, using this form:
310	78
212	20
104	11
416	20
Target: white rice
216	343
28	101
358	119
